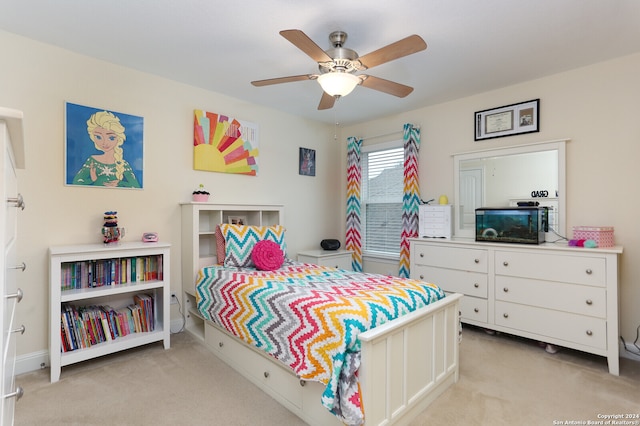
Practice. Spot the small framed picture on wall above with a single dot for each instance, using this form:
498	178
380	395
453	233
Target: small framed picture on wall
307	162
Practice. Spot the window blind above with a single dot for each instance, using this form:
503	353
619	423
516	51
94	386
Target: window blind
382	188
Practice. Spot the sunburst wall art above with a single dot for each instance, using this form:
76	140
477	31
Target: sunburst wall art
224	144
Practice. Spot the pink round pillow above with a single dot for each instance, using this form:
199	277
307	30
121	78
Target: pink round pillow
267	255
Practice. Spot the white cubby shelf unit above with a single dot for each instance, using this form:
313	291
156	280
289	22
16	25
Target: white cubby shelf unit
116	296
199	221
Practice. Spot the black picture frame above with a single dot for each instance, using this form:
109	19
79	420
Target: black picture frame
307	162
508	120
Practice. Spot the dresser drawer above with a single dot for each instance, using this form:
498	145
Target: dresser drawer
468	283
583	330
464	259
333	259
552	267
577	299
474	308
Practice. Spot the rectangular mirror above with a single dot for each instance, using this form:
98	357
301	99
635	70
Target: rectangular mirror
502	177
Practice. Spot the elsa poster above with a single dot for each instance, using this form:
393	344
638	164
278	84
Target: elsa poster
103	148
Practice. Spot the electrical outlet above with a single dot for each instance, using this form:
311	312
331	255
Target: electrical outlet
174	298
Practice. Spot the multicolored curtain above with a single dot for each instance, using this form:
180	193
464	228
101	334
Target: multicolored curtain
411	195
353	241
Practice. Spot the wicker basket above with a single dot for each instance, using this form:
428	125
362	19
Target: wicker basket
602	235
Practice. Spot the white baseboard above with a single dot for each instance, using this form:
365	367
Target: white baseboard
39	360
32	362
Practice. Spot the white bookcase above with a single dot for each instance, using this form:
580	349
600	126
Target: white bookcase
115	295
199	221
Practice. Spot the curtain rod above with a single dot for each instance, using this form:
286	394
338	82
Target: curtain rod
386	134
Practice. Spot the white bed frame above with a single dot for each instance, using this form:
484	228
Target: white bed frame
406	364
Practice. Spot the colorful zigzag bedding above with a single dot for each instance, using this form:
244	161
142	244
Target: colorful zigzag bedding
309	318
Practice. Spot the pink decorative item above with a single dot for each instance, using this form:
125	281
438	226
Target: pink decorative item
602	235
201	197
267	255
220	245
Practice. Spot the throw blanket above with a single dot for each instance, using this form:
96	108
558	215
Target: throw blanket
309	318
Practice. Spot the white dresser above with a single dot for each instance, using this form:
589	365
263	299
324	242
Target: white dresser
11	138
567	296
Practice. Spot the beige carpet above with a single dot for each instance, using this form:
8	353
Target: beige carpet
503	381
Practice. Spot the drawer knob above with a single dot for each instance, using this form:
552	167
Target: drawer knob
422	277
421	254
506	289
17	295
589	271
476	285
505	315
589	302
17	201
22	266
220	344
19	330
589	333
476	310
17	394
303	382
505	263
476	260
266	374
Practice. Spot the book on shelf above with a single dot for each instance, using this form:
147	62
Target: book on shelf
84	326
104	272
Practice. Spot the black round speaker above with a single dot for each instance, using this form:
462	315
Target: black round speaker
330	244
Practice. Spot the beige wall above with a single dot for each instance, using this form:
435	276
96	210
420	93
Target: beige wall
597	108
38	79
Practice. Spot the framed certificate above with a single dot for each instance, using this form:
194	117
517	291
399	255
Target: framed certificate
507	120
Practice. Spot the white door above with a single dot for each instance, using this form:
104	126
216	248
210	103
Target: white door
470	196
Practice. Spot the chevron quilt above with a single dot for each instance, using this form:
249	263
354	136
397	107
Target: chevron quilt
309	317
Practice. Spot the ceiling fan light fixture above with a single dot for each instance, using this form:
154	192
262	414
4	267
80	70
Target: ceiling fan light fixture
338	83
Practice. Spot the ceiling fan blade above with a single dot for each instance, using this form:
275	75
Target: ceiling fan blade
304	43
404	47
386	86
279	80
327	101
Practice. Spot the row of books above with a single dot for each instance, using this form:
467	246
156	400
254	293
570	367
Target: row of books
85	326
98	273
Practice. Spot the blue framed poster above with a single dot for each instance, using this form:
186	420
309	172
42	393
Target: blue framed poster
103	148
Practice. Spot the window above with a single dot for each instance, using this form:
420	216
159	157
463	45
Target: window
382	189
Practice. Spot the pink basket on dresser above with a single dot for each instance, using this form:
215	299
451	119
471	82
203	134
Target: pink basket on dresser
602	235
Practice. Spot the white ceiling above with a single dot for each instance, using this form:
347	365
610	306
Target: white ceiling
473	46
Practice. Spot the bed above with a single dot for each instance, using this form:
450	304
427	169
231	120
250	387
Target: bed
333	346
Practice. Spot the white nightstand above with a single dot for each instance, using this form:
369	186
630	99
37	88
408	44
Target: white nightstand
334	258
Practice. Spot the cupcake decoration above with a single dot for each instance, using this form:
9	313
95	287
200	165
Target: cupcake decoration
200	194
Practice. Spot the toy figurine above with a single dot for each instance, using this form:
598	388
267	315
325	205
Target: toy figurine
111	233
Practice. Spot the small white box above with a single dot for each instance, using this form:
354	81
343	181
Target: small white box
435	221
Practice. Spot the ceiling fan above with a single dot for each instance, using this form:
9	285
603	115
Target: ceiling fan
339	64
